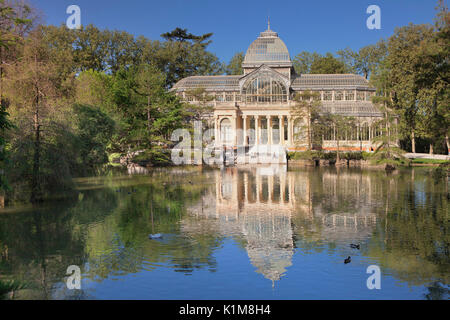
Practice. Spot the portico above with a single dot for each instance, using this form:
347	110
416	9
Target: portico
254	109
253	128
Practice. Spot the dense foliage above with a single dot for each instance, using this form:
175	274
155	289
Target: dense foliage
72	98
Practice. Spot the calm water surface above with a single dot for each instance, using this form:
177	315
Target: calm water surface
259	233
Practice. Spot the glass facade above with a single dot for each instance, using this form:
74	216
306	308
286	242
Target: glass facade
338	95
328	95
264	90
349	95
360	95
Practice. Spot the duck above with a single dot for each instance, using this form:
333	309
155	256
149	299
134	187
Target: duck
355	246
155	236
348	260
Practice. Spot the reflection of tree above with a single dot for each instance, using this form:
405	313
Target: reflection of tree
105	233
106	230
41	246
414	241
121	244
411	235
437	291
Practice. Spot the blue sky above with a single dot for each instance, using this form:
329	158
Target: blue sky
315	25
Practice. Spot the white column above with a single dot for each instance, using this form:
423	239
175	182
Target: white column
234	130
244	130
289	131
218	138
281	129
256	130
216	131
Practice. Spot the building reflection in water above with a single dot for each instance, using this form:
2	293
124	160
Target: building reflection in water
268	206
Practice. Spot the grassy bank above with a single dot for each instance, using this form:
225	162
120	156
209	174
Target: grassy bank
429	161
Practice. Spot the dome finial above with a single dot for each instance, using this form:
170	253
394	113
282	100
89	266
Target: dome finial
268	22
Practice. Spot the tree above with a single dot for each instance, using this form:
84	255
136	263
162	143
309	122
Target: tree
91	48
201	109
341	125
92	88
403	48
327	64
306	109
5	124
94	130
366	60
181	35
145	111
149	85
184	54
303	61
122	50
387	150
235	65
432	78
34	85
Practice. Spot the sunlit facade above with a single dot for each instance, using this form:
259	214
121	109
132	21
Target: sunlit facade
255	108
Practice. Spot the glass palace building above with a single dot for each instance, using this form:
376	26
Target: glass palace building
254	108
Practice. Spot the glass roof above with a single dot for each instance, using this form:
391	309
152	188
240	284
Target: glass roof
302	82
268	47
329	81
351	108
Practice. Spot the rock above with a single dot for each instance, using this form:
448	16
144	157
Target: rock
389	167
341	163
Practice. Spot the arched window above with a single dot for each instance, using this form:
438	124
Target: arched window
339	95
328	95
264	89
225	131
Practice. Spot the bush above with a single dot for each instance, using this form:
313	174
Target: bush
94	129
352	156
156	156
320	155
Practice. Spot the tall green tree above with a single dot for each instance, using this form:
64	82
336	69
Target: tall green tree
185	54
366	60
403	48
150	86
94	130
432	71
387	150
303	61
328	64
37	92
147	112
234	67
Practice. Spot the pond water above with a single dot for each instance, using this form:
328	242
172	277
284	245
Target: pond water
256	233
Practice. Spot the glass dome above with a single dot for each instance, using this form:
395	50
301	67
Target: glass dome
267	48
